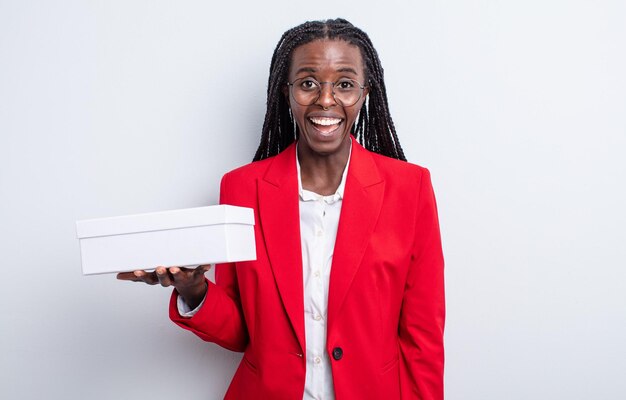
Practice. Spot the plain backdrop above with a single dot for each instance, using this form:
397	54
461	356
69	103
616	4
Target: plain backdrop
117	107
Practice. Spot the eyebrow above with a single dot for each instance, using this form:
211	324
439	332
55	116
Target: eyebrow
312	70
305	69
347	69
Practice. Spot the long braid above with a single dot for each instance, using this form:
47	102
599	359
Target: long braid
374	128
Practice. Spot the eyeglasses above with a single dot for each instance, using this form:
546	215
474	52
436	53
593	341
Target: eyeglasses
306	91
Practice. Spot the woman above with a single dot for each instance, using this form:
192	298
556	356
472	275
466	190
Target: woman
345	299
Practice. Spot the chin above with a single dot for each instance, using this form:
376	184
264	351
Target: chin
325	144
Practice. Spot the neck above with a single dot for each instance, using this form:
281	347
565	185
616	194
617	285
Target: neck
321	173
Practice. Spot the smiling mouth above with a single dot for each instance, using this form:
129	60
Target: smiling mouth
325	125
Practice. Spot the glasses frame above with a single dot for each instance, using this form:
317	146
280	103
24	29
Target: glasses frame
319	92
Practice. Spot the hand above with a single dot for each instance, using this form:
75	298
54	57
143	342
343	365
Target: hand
189	282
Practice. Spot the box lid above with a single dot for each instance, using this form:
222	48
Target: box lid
173	219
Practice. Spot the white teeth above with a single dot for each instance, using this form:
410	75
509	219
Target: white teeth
325	121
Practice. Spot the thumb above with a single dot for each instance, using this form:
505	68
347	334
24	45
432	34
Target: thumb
203	268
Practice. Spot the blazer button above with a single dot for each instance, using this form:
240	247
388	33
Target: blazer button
337	353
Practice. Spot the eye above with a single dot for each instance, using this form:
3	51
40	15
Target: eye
346	85
308	84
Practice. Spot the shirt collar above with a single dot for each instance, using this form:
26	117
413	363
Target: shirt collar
307	195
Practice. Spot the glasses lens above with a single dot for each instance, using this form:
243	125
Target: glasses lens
347	92
306	91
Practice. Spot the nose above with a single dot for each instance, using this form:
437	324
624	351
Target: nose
326	98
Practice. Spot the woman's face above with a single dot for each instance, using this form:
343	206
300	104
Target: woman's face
325	125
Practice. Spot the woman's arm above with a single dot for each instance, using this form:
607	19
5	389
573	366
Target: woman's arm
423	307
220	319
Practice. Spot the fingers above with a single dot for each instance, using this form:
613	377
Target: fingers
126	276
173	276
186	276
181	275
139	276
164	276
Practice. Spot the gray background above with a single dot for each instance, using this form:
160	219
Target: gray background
118	107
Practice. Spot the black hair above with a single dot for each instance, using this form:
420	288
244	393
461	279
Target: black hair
374	128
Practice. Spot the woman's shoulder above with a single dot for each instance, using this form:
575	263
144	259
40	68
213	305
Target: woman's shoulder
398	170
406	183
239	186
251	170
283	161
249	174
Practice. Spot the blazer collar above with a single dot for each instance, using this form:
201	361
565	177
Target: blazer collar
360	210
279	220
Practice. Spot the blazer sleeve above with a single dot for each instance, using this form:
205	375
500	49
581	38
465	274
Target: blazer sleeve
220	319
423	307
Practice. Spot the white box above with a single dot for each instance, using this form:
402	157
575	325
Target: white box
192	236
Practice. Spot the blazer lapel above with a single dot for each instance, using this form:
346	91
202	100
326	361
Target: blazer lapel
280	223
363	197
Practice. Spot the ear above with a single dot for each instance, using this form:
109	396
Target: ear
286	92
366	91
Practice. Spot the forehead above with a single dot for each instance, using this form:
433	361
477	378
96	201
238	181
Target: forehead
326	54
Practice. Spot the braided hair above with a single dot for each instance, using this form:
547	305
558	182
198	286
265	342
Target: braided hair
374	128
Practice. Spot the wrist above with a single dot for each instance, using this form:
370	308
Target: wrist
193	295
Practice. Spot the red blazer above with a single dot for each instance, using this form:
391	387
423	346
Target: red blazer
386	295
